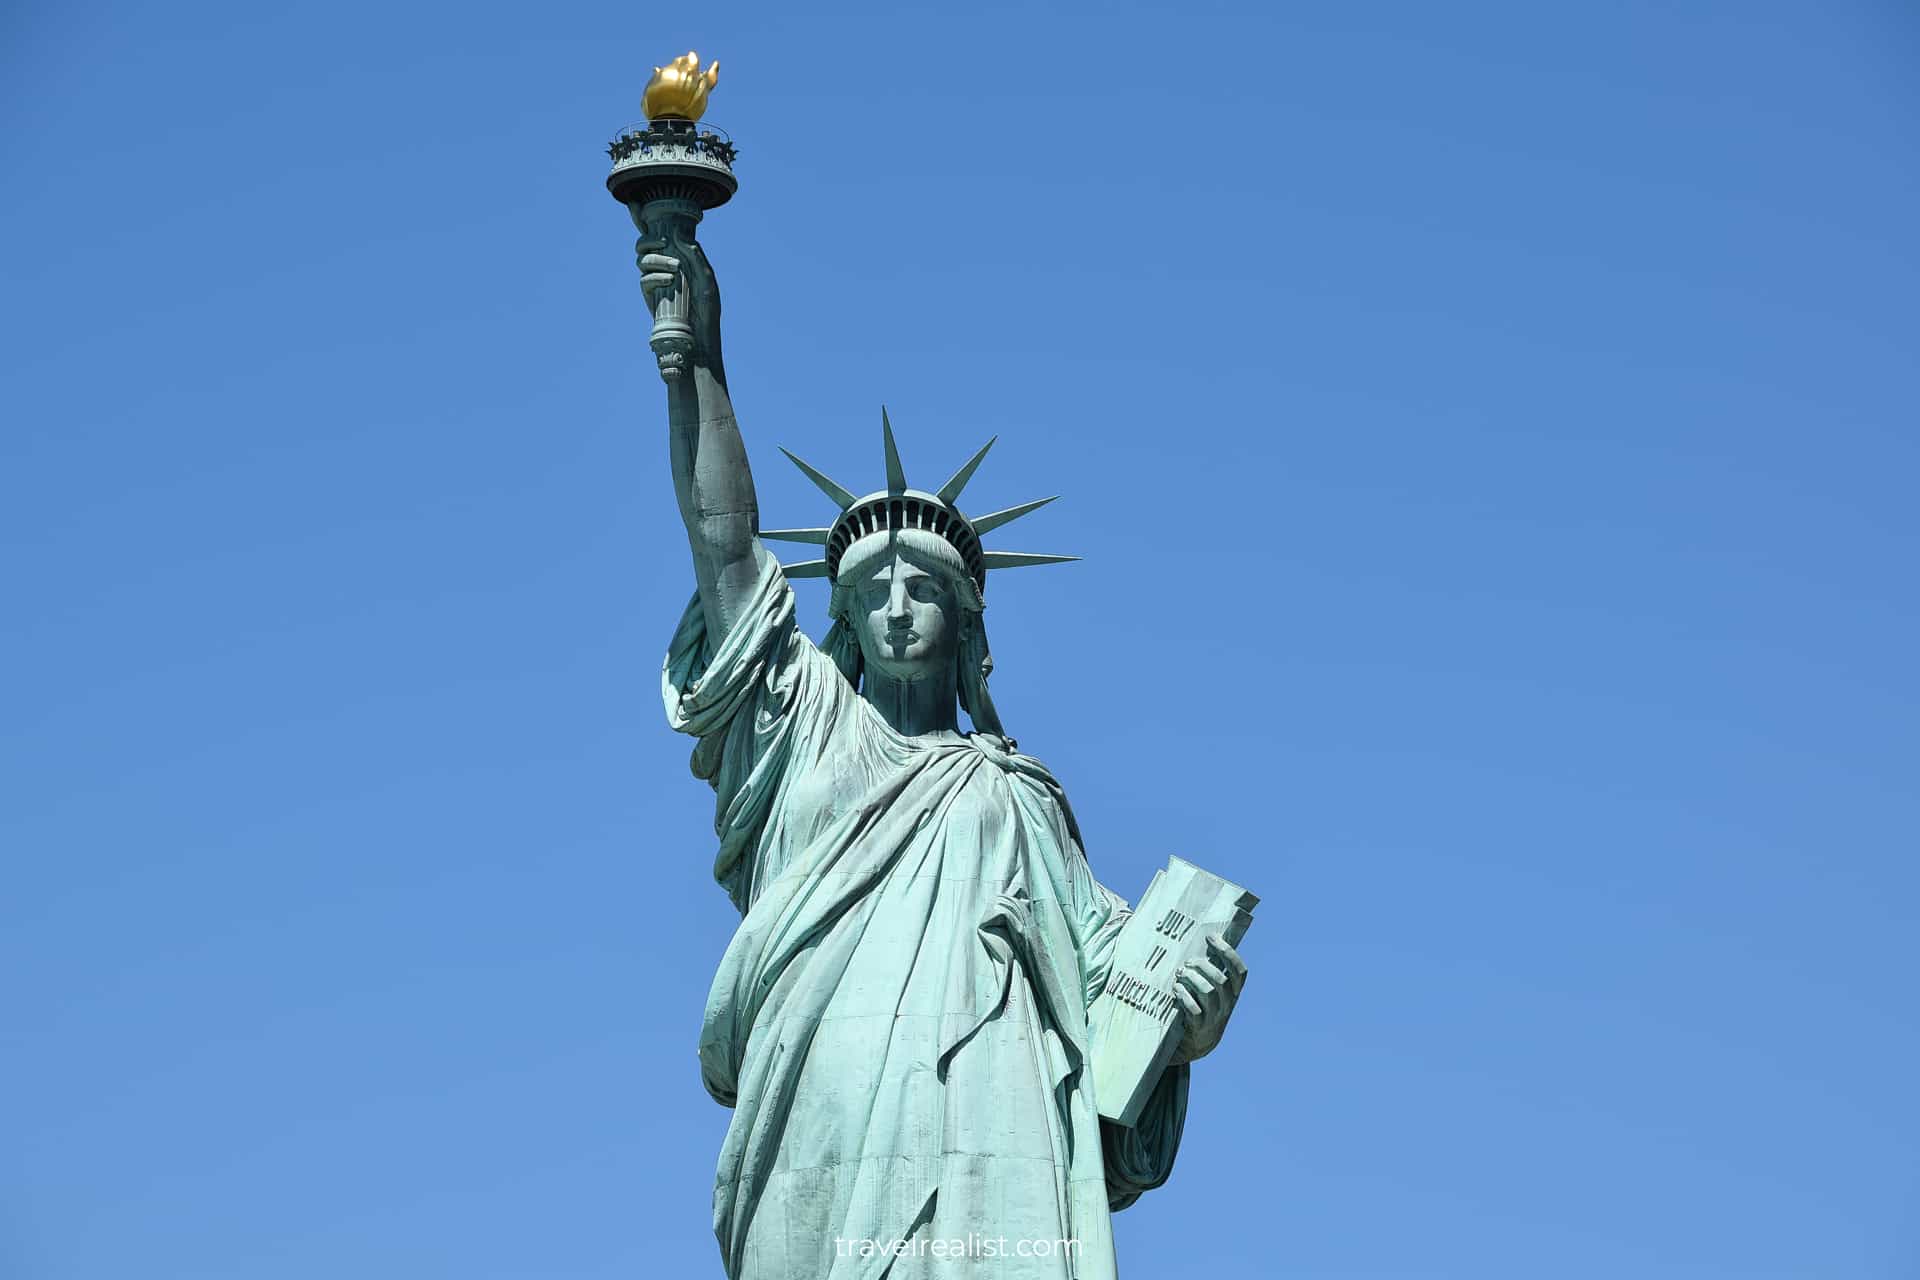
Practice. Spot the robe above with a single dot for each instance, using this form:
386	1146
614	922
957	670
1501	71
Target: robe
900	1020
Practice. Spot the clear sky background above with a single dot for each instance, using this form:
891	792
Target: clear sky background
1491	429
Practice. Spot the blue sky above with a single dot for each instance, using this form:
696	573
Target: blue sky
1491	429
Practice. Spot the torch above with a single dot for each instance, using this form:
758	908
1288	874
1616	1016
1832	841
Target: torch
669	172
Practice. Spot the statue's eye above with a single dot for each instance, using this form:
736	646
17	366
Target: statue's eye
925	590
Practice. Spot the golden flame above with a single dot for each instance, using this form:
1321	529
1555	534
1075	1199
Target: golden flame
678	91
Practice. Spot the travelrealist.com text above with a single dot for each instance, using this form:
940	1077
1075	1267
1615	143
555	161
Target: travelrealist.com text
970	1245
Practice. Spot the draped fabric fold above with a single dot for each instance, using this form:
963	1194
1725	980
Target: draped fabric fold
900	1019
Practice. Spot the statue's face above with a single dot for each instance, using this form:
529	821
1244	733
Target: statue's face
909	620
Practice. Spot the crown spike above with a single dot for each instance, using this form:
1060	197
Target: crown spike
951	489
896	474
827	486
805	569
1020	559
815	536
988	523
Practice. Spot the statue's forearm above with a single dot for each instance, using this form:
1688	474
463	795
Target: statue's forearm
711	479
713	484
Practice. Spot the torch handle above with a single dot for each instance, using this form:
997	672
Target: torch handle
667	227
672	336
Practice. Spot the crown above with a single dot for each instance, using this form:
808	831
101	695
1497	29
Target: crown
899	507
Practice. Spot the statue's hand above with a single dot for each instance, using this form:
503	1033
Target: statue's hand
659	272
1207	992
682	295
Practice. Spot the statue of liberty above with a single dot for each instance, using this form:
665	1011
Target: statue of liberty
900	1023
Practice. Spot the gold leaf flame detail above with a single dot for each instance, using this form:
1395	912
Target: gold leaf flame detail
678	91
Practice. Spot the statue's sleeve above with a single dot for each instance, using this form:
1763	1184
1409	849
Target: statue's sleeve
762	701
1141	1158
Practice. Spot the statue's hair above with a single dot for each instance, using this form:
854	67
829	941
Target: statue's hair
975	658
929	550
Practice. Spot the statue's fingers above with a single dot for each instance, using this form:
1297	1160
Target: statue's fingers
1194	981
1212	972
659	262
1187	1001
1228	956
655	283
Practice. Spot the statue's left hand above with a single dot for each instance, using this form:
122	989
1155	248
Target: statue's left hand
1208	991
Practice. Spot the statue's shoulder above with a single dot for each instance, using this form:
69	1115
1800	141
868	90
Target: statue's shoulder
1006	753
1031	775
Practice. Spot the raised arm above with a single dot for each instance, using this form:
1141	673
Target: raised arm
711	478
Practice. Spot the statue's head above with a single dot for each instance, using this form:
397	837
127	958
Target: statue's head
909	577
909	600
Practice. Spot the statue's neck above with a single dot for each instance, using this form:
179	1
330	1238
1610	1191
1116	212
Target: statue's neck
914	707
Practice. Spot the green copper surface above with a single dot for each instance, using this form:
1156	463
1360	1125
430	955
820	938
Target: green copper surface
903	1023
